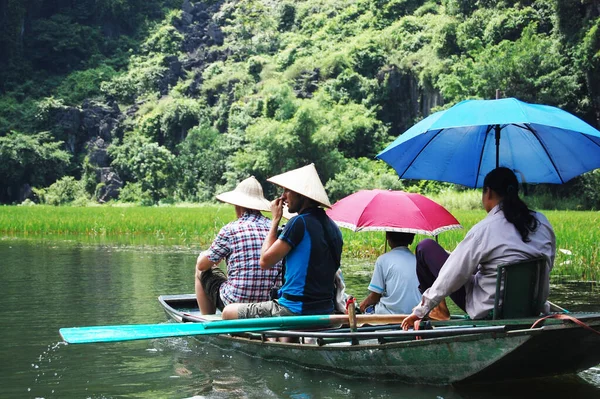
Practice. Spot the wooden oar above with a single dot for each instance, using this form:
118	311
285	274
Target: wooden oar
94	334
555	308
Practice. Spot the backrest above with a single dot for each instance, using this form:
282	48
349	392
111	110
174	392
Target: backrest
518	289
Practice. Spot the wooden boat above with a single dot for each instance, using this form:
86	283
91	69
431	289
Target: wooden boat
450	352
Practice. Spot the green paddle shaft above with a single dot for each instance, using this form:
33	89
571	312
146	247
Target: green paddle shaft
95	334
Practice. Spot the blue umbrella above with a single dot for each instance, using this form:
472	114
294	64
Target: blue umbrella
540	143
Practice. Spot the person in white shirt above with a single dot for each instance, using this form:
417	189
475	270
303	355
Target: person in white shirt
394	287
510	232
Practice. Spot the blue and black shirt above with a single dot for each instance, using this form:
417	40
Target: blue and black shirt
312	262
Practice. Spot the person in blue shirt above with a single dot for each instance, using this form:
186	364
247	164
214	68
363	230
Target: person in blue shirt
311	244
394	287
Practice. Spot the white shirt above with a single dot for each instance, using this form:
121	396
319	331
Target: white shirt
490	243
395	278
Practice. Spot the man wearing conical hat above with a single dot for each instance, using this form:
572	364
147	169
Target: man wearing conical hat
311	244
239	243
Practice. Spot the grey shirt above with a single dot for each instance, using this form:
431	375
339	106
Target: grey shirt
490	243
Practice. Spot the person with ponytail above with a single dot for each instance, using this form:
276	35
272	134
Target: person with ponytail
509	233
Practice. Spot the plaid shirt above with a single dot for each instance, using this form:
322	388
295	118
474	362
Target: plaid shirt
240	242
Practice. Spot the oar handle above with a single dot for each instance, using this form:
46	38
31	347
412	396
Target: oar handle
362	319
555	308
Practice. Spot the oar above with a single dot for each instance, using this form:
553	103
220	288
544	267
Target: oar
555	308
83	335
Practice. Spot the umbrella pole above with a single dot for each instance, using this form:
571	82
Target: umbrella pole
497	130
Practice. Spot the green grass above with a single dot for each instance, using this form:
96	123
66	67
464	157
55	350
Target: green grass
577	232
158	225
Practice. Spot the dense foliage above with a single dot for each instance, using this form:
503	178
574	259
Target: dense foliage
188	98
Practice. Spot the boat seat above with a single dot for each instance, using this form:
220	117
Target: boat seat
518	289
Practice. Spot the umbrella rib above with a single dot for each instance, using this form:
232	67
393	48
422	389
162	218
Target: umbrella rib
489	127
420	151
587	137
535	134
523	126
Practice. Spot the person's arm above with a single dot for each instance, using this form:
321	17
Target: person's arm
276	252
218	250
376	285
457	270
371	299
273	250
203	263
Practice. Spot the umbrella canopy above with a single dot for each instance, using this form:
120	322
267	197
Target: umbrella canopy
540	143
386	210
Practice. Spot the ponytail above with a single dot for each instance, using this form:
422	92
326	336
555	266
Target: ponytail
504	183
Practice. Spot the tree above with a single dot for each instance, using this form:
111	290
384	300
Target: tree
201	163
532	68
59	44
34	160
140	160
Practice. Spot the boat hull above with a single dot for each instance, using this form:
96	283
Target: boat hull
471	358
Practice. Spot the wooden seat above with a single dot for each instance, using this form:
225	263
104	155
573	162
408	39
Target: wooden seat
518	289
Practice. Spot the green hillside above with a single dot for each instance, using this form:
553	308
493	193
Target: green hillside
165	101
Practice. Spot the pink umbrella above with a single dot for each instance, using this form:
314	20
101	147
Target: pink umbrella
387	210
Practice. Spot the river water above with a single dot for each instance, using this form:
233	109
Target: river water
47	285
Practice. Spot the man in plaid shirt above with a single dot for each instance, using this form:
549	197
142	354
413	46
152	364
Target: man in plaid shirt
239	243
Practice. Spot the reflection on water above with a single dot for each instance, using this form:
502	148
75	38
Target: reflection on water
48	285
213	372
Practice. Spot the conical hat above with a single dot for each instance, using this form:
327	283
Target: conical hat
304	181
247	194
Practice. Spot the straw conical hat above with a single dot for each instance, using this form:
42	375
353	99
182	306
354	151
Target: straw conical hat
247	194
304	181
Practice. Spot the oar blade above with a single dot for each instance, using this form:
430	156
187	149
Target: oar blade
98	334
95	334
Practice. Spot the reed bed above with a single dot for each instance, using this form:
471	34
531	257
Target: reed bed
577	232
171	225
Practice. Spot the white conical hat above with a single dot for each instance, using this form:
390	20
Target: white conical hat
304	181
247	194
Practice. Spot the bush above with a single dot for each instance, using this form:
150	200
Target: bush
35	160
354	129
133	192
59	44
140	160
17	115
286	16
349	86
165	38
454	200
141	79
80	85
334	63
169	121
362	174
201	163
64	191
367	58
392	10
587	188
279	102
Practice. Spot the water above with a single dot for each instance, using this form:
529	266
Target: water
48	285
